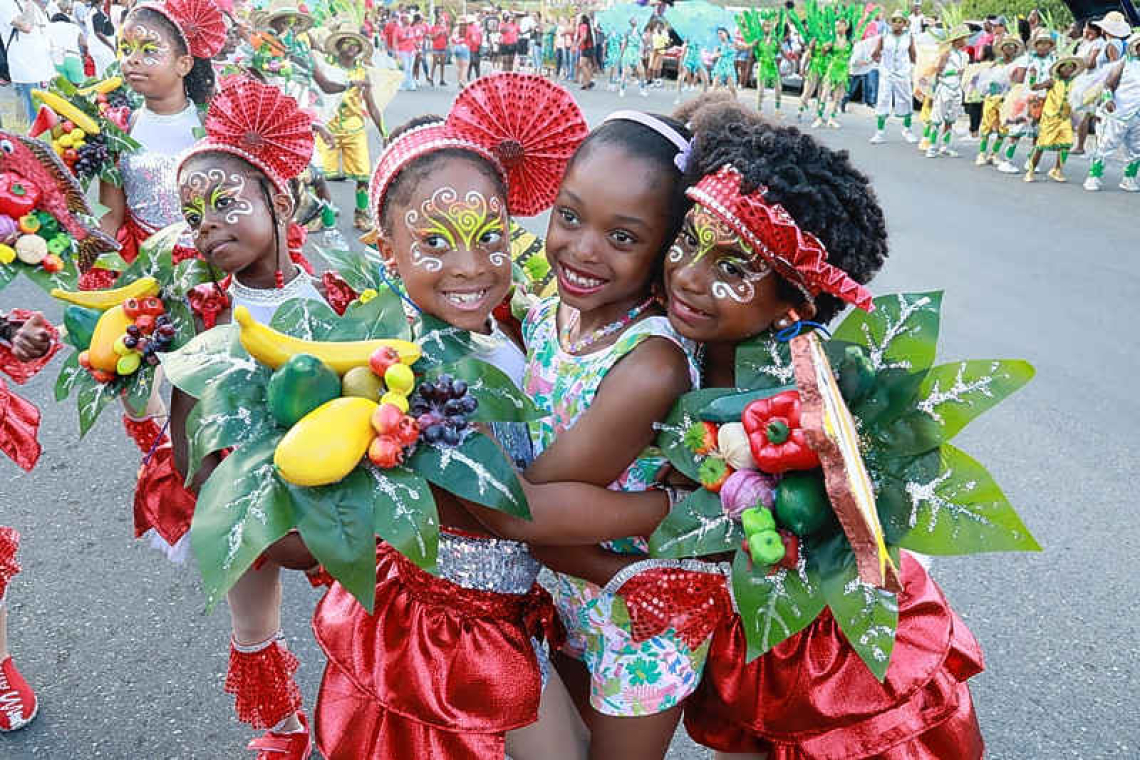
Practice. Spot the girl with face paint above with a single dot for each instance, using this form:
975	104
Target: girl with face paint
233	192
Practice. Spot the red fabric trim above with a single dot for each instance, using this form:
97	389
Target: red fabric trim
20	371
262	683
337	292
689	602
19	428
9	567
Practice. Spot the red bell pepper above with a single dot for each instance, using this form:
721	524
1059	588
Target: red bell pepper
17	198
774	434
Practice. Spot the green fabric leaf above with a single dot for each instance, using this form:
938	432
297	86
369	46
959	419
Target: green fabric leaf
684	414
868	616
892	395
182	317
764	362
774	607
71	375
901	333
441	343
954	394
225	416
155	258
405	514
92	399
137	390
242	509
305	318
65	279
381	317
360	268
499	398
958	510
335	522
211	359
112	262
695	527
8	273
476	470
191	273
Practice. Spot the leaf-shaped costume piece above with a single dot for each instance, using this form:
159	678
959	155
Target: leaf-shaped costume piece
927	495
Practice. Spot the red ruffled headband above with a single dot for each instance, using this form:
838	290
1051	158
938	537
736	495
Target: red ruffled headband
200	22
526	126
258	123
772	232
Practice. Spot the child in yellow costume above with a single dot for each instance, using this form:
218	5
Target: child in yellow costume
1056	127
348	156
994	84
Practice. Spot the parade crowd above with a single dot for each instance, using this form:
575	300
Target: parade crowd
211	131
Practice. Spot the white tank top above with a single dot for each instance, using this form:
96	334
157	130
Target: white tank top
263	303
896	53
149	180
1127	95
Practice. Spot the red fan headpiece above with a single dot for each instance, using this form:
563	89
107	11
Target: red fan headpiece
257	122
772	232
200	22
526	126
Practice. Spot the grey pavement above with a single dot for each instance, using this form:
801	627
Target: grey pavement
128	664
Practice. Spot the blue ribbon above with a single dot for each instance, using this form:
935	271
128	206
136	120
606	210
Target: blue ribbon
793	330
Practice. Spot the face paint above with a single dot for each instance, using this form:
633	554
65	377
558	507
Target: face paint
736	274
227	197
444	222
143	40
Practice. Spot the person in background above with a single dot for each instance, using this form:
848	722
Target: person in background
916	19
68	47
584	44
508	42
561	49
420	38
405	40
437	34
659	43
535	41
29	58
745	55
460	52
100	37
1103	45
390	28
474	38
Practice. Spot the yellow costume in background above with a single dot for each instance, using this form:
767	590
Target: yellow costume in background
348	156
1056	127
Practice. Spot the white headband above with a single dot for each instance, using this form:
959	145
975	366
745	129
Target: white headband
658	126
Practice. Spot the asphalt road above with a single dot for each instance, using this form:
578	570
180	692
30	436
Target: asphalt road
128	665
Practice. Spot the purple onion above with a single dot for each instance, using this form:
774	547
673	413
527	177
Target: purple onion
747	488
9	229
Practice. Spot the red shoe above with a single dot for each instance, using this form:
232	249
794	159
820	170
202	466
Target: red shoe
18	704
275	746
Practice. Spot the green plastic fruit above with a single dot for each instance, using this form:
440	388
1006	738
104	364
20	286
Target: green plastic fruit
299	386
362	383
801	504
757	520
766	548
80	324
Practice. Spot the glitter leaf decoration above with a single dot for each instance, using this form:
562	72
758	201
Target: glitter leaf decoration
902	331
227	416
954	394
763	362
684	414
500	400
696	527
405	514
774	606
476	470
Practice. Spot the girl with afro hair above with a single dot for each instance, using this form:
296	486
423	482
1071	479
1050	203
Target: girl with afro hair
810	696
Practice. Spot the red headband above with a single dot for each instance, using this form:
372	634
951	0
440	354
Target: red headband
771	231
199	22
258	123
526	126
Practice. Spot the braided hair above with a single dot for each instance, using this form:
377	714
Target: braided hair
818	186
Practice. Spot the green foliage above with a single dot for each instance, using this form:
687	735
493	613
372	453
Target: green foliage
977	10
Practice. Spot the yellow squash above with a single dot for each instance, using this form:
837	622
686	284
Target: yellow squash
273	348
110	327
327	443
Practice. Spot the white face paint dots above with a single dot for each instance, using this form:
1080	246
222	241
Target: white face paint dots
737	269
446	222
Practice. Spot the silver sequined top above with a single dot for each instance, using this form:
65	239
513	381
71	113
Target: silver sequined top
486	564
149	175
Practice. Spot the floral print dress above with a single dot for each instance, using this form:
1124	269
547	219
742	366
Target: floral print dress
626	678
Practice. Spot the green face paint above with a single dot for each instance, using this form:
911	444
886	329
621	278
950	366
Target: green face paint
446	222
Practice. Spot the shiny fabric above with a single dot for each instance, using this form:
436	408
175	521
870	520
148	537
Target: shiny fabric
811	697
9	567
437	671
19	418
261	680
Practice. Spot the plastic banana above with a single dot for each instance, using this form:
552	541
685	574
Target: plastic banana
107	85
327	443
108	329
273	348
65	109
105	299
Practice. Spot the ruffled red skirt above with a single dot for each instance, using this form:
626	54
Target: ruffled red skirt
9	544
437	671
811	697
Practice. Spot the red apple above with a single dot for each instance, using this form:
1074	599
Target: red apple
383	358
386	419
385	452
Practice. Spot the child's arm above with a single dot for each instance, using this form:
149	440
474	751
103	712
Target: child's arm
116	202
913	52
327	85
877	56
369	103
636	394
590	563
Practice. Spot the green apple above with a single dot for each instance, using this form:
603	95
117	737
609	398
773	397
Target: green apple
362	382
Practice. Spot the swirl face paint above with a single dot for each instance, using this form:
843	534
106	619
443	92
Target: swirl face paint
140	40
216	191
446	222
737	266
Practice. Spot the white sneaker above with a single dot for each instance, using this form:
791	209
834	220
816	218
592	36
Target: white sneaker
817	123
833	123
643	92
621	93
1007	167
1130	185
1092	184
878	138
908	135
932	153
1035	171
981	160
948	152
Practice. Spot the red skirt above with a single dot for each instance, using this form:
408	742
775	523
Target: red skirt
9	544
437	671
811	697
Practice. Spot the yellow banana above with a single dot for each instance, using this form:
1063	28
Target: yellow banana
66	110
273	348
105	299
107	85
325	444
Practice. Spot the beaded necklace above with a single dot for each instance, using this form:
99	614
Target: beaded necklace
581	344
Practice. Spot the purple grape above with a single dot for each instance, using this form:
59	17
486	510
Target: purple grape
433	433
451	436
133	331
469	404
457	421
130	341
454	406
458	388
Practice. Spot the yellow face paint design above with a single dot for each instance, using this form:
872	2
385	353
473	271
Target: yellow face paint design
737	267
143	41
446	222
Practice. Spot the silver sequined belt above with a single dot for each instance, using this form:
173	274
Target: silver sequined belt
486	564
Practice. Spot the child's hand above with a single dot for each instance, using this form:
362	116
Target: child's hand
324	134
32	340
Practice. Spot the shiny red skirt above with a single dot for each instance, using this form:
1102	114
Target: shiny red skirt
437	671
811	697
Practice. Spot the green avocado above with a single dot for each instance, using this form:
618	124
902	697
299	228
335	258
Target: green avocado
80	323
802	505
299	386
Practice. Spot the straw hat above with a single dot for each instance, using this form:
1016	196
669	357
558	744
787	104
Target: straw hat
959	32
1115	24
1012	41
897	13
1042	35
1076	60
279	9
344	31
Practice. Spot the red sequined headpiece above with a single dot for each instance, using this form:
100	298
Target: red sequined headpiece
526	126
200	22
772	232
260	124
